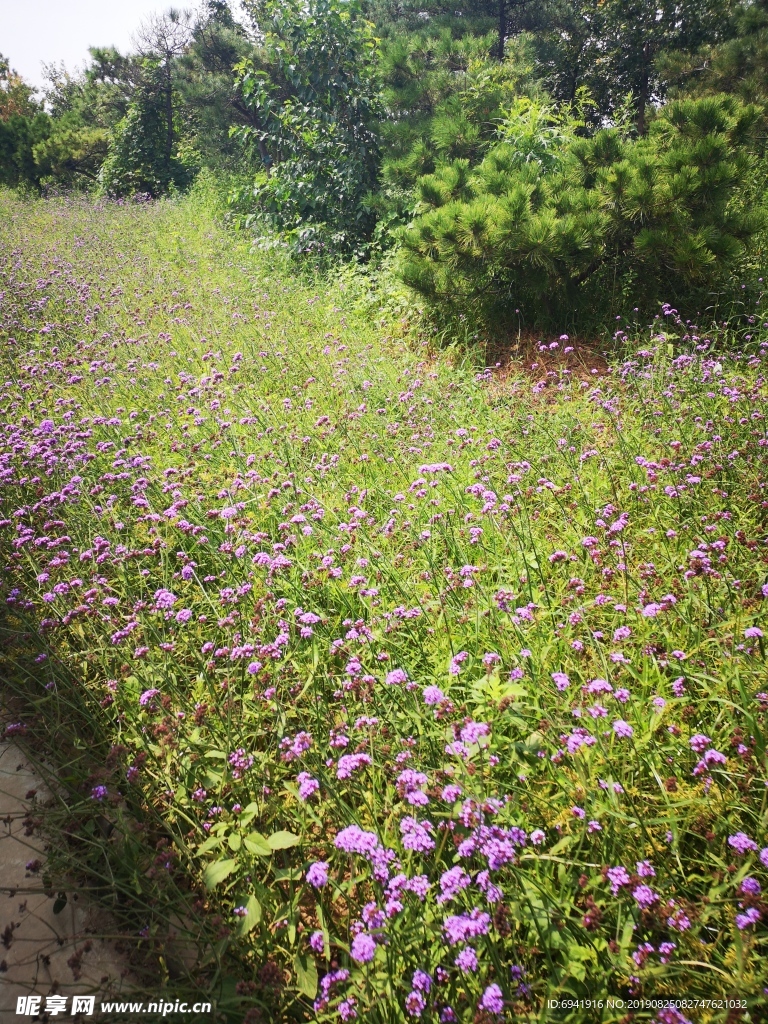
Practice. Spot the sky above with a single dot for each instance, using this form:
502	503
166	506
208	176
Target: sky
50	31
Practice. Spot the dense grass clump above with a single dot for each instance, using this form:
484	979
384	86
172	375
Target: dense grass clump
397	690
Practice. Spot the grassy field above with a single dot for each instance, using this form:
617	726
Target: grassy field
394	688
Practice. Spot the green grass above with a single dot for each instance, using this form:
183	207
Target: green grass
174	407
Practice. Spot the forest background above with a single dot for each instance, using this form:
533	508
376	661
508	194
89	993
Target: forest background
512	163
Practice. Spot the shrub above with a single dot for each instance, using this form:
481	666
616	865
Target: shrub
311	98
546	228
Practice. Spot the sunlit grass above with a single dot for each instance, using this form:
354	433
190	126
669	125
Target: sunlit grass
262	554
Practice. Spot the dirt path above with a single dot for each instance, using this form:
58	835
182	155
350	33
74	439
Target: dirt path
43	952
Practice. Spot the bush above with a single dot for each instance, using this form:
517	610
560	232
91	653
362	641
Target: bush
144	154
311	97
553	225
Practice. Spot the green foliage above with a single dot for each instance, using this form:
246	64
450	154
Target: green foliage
207	86
144	156
23	125
72	154
613	48
19	135
543	592
542	228
17	98
738	64
310	95
445	94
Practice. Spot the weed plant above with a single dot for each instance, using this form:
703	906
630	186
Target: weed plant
393	689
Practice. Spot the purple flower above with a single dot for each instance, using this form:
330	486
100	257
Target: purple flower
749	917
751	887
456	660
622	728
461	927
293	748
396	676
416	835
666	949
349	763
363	948
644	896
419	885
741	843
147	696
353	839
618	877
422	981
99	793
317	874
764	856
409	783
472	732
466	961
164	599
346	1009
433	695
452	882
699	742
492	999
240	762
753	633
561	680
415	1003
317	942
307	785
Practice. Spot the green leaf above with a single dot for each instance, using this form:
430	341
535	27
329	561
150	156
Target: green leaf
255	842
218	871
283	840
564	843
210	844
306	975
252	918
577	970
234	841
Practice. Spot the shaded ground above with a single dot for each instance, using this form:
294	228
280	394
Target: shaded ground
44	952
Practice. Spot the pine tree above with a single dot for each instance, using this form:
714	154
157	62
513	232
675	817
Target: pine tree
542	227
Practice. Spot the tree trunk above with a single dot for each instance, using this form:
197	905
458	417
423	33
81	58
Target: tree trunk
644	90
168	114
502	27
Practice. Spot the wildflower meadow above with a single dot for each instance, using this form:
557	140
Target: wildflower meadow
378	684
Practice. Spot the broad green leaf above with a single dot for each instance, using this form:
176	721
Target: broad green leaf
252	918
255	842
210	844
234	841
306	975
218	871
564	843
283	840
